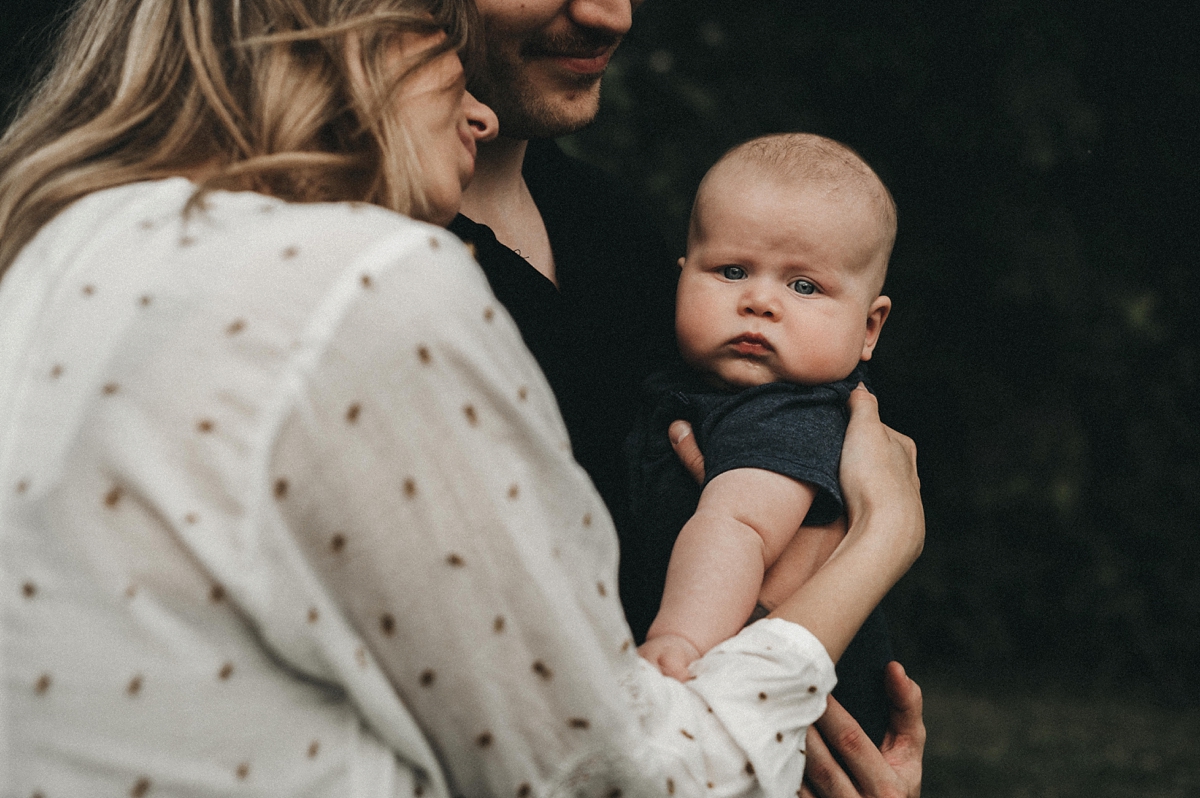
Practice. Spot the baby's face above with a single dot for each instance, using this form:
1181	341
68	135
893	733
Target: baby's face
780	284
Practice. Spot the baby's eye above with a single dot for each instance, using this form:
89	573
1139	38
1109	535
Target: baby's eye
733	272
802	287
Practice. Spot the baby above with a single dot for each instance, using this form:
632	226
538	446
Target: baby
778	304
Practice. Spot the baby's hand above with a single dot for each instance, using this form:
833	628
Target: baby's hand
671	654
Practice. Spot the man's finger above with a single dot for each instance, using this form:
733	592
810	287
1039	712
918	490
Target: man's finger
906	710
823	776
684	444
841	732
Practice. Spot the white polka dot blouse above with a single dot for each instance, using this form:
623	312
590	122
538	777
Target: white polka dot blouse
287	509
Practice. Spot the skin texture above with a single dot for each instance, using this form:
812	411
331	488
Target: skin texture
545	59
779	283
443	118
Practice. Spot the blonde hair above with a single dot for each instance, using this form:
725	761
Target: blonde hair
143	89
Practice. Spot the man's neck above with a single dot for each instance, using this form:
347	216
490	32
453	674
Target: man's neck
499	198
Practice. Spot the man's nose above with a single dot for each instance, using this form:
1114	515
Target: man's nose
611	16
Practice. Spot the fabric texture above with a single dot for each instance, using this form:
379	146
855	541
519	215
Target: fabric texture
606	326
287	509
794	430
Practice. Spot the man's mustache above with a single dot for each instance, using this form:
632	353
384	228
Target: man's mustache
581	43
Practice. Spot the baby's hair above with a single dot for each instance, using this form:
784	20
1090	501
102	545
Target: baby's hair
812	159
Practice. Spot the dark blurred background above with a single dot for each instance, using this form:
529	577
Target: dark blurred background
1042	350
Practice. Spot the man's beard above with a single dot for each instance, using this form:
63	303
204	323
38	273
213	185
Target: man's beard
525	111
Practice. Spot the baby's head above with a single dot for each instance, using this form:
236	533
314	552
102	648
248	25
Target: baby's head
788	247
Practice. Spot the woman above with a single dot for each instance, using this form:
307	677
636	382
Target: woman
286	508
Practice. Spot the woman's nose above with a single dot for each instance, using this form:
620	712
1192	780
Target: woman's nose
482	119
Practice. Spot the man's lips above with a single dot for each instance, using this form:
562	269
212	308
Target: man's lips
751	344
589	62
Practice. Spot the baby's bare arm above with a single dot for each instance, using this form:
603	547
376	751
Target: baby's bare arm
745	519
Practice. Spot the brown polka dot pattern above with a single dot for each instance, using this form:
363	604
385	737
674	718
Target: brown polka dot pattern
587	519
578	723
360	656
352	412
186	241
434	243
235	327
625	646
514	490
472	416
313	615
524	791
216	594
541	669
191	518
56	371
498	624
281	488
615	792
423	354
204	425
762	696
387	624
42	684
812	688
687	734
131	591
749	769
484	740
243	770
522	393
410	487
289	253
88	290
135	685
601	589
113	497
140	787
29	590
365	280
670	786
427	678
337	543
22	486
488	314
455	560
110	388
778	737
144	300
313	749
225	672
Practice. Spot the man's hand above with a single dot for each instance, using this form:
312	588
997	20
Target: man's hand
684	444
893	771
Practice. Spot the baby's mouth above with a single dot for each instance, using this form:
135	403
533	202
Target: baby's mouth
751	344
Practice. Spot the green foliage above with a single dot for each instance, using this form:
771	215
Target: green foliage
1042	350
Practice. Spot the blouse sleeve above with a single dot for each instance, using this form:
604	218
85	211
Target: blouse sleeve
423	468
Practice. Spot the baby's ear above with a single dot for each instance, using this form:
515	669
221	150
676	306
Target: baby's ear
876	315
682	261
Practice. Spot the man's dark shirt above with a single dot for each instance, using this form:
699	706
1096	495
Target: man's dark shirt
607	325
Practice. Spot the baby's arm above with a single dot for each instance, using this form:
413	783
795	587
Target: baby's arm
744	520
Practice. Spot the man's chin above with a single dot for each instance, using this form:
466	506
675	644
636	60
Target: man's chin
532	111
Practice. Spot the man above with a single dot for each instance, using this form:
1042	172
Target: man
591	287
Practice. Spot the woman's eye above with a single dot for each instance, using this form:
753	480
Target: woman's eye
803	287
733	272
